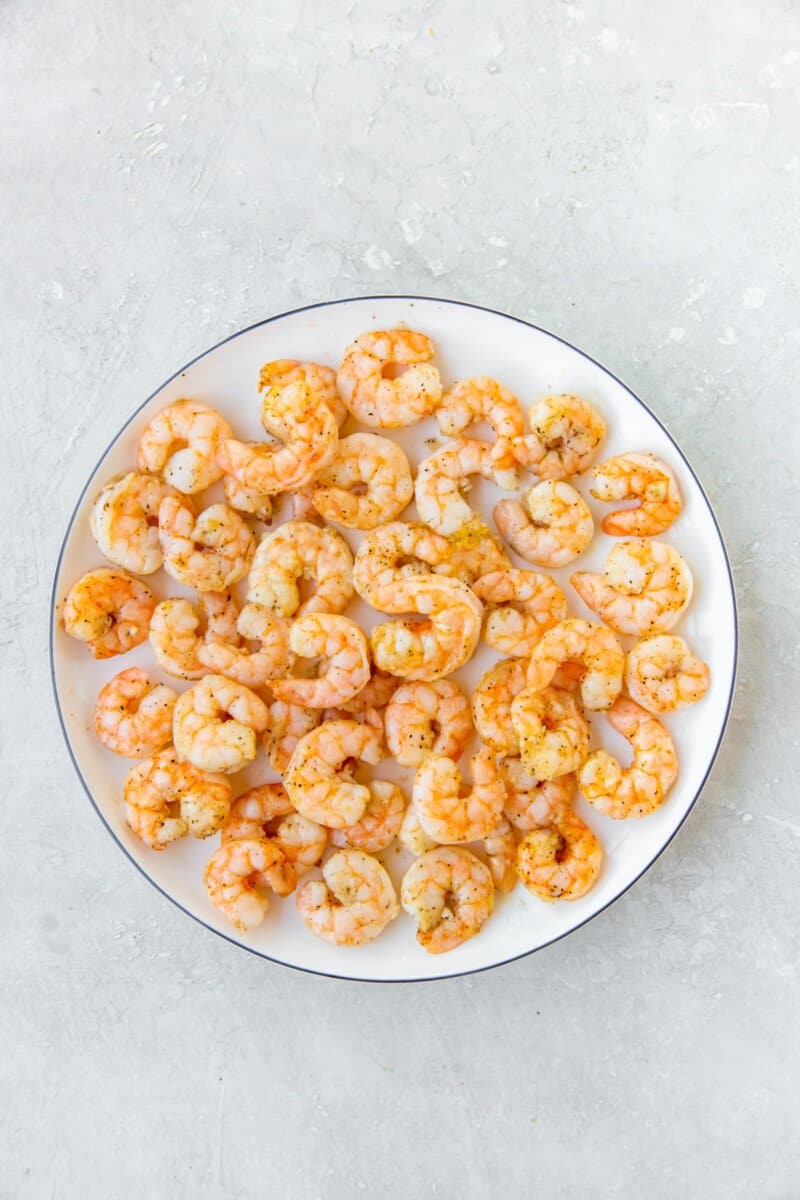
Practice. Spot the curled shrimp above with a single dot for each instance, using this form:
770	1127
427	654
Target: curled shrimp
474	551
353	902
521	606
396	551
412	834
641	788
267	812
491	704
379	823
482	398
553	732
447	810
387	378
124	521
530	802
551	528
427	718
440	640
237	879
247	500
109	610
320	379
176	633
366	483
208	552
642	477
133	715
450	894
375	694
663	675
215	724
253	668
645	587
181	443
592	645
560	860
442	476
318	782
566	433
344	668
166	799
500	848
286	724
300	552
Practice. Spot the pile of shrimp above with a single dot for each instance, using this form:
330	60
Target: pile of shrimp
320	755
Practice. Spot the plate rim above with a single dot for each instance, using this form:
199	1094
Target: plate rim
53	626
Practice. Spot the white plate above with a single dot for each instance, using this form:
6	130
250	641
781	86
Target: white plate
532	363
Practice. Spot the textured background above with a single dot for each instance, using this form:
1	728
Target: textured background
624	174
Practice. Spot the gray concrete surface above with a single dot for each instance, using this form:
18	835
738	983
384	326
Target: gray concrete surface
624	174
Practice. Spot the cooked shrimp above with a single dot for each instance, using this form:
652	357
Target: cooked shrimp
380	822
124	521
491	704
553	732
317	780
247	500
366	483
175	631
427	718
450	894
344	668
133	715
365	716
166	799
395	551
551	528
522	606
500	847
441	640
663	675
253	668
441	479
300	552
474	551
375	694
592	645
387	378
353	902
561	860
531	802
208	552
641	788
266	811
566	433
215	724
412	835
645	587
321	380
641	477
286	725
450	813
109	610
483	399
237	880
181	443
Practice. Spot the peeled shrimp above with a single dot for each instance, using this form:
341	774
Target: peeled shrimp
561	860
286	725
531	802
554	530
124	521
318	784
500	848
553	732
267	811
450	813
208	552
642	477
353	902
484	399
393	552
441	640
181	443
375	694
247	500
166	799
473	551
237	879
379	823
133	715
440	480
175	631
215	724
366	482
412	835
387	378
253	668
299	552
449	892
566	433
109	610
592	645
641	788
491	704
663	675
427	718
344	669
522	605
645	587
320	379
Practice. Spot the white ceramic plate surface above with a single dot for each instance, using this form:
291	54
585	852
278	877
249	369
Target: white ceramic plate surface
532	363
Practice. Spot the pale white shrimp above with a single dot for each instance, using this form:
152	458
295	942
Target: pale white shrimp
427	718
442	476
237	880
208	552
181	443
482	398
109	610
531	802
491	704
566	434
124	521
551	527
521	606
645	587
392	552
300	552
448	810
380	822
321	380
216	722
592	645
133	714
560	860
176	631
253	668
553	732
266	811
320	785
450	894
166	799
366	483
344	668
474	551
642	477
375	694
353	902
286	725
412	835
500	848
387	378
440	640
663	675
247	500
641	788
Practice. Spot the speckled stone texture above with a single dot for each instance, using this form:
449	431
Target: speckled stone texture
624	174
